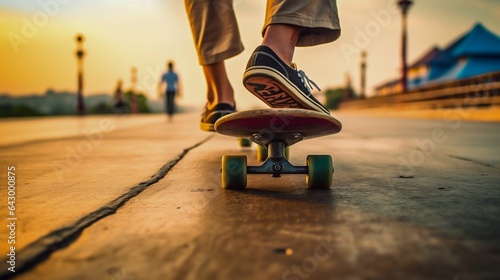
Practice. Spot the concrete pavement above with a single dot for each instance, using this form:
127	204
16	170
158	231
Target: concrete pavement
411	199
64	183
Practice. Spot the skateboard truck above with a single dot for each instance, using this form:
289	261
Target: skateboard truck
275	130
319	168
276	162
264	138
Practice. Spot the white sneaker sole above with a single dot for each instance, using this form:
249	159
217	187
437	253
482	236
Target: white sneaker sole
277	91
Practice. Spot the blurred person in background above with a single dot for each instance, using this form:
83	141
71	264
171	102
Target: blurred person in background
172	89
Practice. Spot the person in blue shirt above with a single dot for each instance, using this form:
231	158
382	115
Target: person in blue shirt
172	88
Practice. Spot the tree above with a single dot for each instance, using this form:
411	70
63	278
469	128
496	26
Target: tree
142	101
336	95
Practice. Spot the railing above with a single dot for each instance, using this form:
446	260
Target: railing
483	90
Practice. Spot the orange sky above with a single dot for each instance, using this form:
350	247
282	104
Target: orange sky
121	34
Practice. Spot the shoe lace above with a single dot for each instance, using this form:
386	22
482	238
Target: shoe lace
308	83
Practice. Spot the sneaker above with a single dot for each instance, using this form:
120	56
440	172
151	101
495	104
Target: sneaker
209	117
278	84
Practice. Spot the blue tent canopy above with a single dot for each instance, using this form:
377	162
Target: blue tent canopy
475	53
479	41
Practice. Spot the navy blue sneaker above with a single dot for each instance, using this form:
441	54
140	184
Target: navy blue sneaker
209	117
278	84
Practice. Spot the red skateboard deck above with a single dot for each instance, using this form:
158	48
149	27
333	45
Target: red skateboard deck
289	125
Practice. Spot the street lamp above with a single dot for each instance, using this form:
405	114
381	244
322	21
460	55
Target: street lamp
363	75
405	6
79	55
133	97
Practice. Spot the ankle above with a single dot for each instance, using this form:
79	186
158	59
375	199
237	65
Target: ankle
282	39
283	52
227	98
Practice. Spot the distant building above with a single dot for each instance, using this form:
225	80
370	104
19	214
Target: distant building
475	53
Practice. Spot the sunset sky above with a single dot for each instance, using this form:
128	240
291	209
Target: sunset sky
37	42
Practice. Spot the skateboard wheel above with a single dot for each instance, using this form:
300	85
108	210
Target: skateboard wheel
261	153
320	174
234	172
245	142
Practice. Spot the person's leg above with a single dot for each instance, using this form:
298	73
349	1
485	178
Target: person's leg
216	37
220	95
219	89
270	73
170	103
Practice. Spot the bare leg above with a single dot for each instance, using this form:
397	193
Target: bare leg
219	89
282	39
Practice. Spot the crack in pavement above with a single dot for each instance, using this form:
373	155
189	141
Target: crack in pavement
473	161
39	250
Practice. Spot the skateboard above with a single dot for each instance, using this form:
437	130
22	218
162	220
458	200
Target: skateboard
275	130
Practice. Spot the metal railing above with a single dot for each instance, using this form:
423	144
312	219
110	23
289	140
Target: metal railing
478	91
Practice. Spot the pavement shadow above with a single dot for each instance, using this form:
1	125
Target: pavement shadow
307	196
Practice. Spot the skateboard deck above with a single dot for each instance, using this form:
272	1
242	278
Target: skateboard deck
277	129
289	125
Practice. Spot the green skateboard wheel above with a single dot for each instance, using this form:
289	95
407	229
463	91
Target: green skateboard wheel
320	174
245	142
261	153
234	172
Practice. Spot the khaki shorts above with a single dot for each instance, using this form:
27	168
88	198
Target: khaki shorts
217	37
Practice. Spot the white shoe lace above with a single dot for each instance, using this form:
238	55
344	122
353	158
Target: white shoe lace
305	80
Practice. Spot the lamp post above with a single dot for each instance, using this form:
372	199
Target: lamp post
80	106
363	75
404	5
133	98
